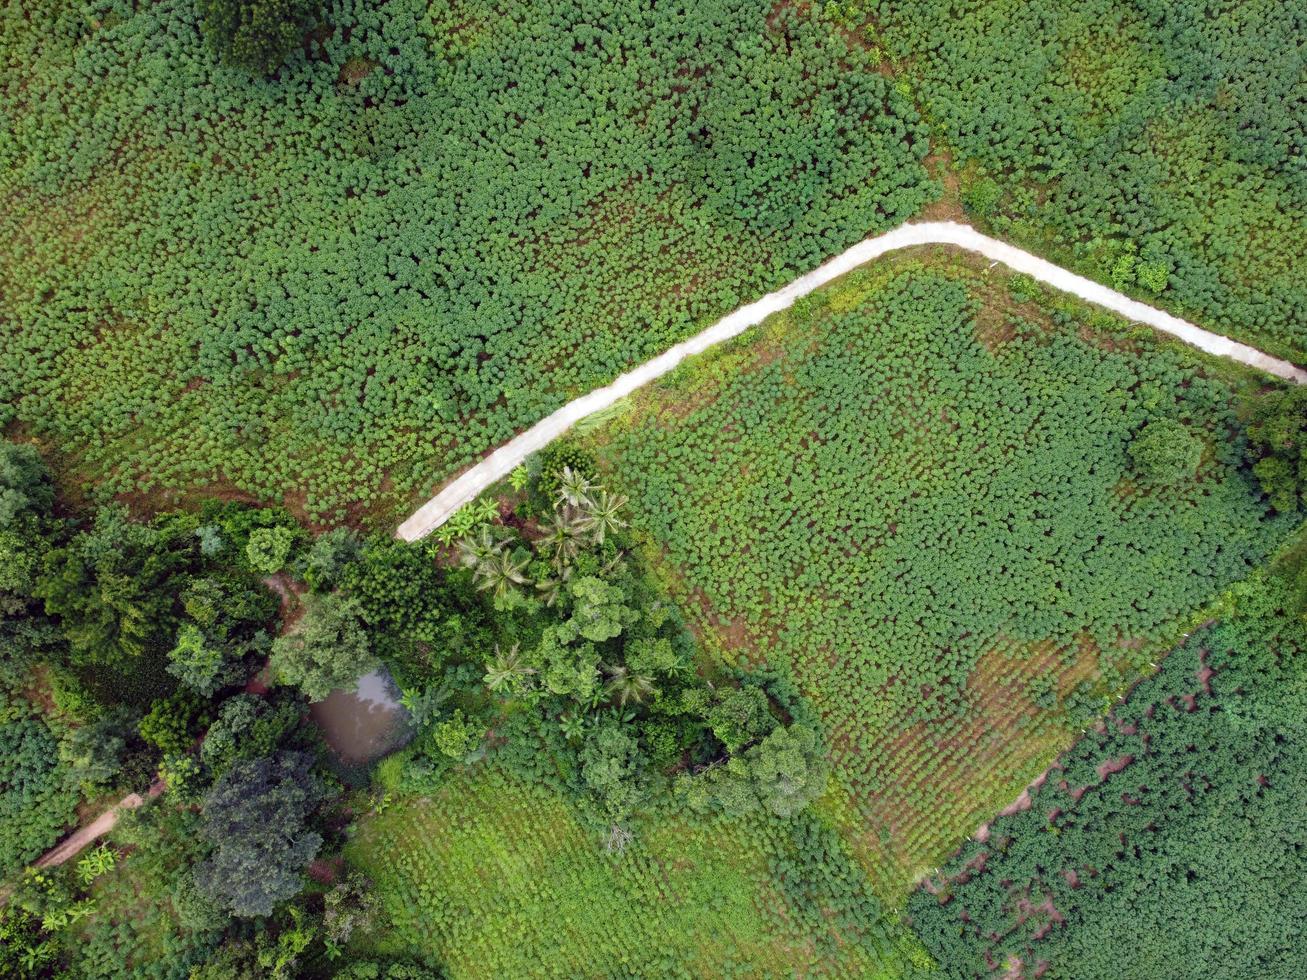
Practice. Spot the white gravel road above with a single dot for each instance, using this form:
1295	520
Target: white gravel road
503	460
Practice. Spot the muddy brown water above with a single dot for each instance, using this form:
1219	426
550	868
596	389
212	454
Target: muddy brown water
366	723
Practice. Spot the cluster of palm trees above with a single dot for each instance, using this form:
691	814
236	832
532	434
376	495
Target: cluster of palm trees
509	671
584	515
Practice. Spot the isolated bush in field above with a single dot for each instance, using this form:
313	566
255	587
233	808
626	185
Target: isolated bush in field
1165	452
255	817
268	549
327	650
256	35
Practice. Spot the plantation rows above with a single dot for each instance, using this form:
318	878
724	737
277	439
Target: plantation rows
340	284
1156	145
1173	831
498	878
947	542
935	783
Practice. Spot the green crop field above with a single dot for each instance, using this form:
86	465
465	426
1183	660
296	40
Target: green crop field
1157	146
336	288
1177	826
922	503
495	877
813	658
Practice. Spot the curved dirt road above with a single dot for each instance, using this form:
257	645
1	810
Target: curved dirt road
502	461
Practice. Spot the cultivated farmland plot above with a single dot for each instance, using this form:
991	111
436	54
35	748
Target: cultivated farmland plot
923	503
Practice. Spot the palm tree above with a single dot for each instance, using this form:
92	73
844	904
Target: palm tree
601	515
507	669
573	488
627	687
501	571
562	537
474	550
552	588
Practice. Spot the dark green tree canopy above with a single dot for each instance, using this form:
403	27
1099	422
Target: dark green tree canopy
24	483
256	35
115	587
256	819
1277	440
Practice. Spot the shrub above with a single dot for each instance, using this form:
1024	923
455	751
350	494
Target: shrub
1165	452
268	549
173	722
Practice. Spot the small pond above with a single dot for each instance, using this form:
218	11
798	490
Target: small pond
364	724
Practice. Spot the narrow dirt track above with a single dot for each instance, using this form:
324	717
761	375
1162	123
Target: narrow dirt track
503	460
73	844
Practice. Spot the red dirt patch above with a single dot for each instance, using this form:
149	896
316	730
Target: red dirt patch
1112	766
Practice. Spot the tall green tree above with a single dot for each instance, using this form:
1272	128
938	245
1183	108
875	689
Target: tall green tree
115	587
256	818
327	650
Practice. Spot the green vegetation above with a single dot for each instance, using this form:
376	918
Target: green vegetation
1173	831
37	792
255	34
710	688
438	223
1165	452
1278	434
494	876
254	818
326	650
148	920
929	512
1154	144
